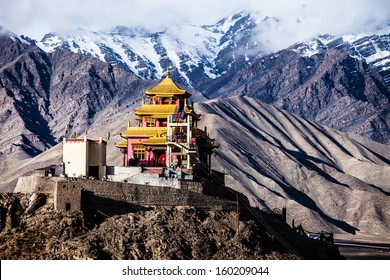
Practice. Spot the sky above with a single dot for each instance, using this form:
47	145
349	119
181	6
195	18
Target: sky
297	20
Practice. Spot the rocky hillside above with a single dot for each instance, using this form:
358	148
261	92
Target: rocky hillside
43	95
160	233
331	87
326	179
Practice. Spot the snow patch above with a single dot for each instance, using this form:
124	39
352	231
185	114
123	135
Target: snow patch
143	52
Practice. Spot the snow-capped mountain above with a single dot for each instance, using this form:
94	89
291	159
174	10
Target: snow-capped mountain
200	54
331	80
192	50
373	48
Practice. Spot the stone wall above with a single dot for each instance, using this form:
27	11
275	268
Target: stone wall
105	196
67	197
38	184
123	170
192	186
113	198
213	188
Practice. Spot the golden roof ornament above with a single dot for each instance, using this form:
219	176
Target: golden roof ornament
167	88
168	72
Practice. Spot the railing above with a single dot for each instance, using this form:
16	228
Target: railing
182	142
321	236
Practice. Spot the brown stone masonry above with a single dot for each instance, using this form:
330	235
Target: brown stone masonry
97	193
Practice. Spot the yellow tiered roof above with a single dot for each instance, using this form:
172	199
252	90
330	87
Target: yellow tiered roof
160	111
156	111
158	141
167	88
144	132
122	145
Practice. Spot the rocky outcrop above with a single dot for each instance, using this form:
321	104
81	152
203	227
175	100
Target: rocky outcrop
181	232
27	231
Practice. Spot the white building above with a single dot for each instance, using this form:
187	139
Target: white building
84	157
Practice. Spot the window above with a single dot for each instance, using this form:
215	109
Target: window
67	206
149	122
139	153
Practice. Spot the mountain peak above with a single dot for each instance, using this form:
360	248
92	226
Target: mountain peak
6	33
190	49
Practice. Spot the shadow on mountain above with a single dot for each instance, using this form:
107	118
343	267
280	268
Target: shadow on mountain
382	158
307	161
305	200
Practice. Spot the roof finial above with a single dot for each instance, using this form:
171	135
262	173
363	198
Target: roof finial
168	72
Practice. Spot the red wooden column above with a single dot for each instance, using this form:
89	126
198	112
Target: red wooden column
124	152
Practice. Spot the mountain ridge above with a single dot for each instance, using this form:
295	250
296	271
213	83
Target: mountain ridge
288	161
339	81
232	40
193	50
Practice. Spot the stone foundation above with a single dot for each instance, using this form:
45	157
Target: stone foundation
110	197
94	192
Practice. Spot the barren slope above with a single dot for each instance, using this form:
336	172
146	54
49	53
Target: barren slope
327	181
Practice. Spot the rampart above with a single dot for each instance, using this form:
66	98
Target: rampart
109	197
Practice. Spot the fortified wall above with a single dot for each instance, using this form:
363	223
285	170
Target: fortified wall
111	198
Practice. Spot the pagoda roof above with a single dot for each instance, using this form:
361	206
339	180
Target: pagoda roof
160	111
140	132
155	141
208	142
167	88
122	145
156	111
190	111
